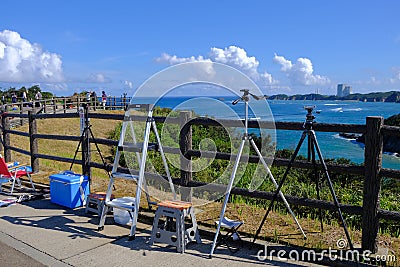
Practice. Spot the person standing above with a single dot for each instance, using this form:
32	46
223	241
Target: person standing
38	98
14	98
24	96
103	99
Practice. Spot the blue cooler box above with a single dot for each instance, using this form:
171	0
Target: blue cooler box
69	189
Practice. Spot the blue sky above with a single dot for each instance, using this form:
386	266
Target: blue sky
285	46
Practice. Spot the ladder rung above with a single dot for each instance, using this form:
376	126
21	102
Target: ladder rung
126	176
119	205
137	147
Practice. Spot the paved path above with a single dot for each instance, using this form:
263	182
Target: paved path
38	233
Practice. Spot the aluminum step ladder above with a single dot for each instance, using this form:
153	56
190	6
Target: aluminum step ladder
128	143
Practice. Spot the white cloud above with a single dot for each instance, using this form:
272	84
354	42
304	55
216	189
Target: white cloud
128	84
172	60
22	61
98	78
301	72
233	56
396	76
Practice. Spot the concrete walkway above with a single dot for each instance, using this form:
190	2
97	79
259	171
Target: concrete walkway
38	233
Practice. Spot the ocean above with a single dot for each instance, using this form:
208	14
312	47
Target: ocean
331	144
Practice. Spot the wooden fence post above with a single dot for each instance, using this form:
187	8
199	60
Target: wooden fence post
372	183
21	121
185	144
54	101
65	104
5	121
33	142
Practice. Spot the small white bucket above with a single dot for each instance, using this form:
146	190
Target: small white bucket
122	216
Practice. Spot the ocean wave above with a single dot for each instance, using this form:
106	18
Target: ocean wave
392	154
337	109
343	138
328	104
353	109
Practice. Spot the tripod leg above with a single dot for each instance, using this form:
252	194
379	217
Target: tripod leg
346	231
77	149
98	151
227	193
276	185
316	179
278	189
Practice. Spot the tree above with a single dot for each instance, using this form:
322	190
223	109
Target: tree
33	90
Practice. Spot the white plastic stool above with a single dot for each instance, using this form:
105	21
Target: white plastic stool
95	202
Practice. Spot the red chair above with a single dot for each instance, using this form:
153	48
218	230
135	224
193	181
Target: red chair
13	174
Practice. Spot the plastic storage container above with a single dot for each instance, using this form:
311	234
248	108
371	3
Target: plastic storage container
69	189
122	216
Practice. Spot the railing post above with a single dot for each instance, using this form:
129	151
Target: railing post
21	121
44	107
372	183
65	104
78	104
54	105
185	144
5	121
33	142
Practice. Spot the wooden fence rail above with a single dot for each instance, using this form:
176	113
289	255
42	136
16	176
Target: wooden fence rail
371	170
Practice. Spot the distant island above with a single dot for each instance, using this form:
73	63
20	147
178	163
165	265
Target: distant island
392	96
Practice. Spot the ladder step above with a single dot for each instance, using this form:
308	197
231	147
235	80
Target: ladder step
119	205
124	175
137	147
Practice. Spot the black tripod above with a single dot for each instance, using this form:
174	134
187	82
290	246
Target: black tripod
312	145
84	141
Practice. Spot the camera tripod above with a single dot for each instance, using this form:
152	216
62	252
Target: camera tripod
86	146
312	146
246	137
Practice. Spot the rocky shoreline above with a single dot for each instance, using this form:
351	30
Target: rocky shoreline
391	144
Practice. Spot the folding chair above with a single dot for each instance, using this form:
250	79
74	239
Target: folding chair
13	174
232	234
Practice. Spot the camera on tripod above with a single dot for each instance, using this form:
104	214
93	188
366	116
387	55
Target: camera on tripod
309	117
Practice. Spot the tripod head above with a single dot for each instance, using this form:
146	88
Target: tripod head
309	117
245	97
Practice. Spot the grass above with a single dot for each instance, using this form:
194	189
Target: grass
279	227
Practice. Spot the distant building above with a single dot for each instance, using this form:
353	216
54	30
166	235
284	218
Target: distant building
343	90
340	89
347	90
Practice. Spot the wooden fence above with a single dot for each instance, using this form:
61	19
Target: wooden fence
371	170
66	104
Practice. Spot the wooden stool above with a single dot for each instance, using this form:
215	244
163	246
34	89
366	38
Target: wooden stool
172	230
95	202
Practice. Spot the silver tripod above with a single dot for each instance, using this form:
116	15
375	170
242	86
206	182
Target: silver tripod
246	137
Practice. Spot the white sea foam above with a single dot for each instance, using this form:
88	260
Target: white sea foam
344	138
353	109
337	109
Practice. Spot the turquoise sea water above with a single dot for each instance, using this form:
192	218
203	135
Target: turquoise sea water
332	146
